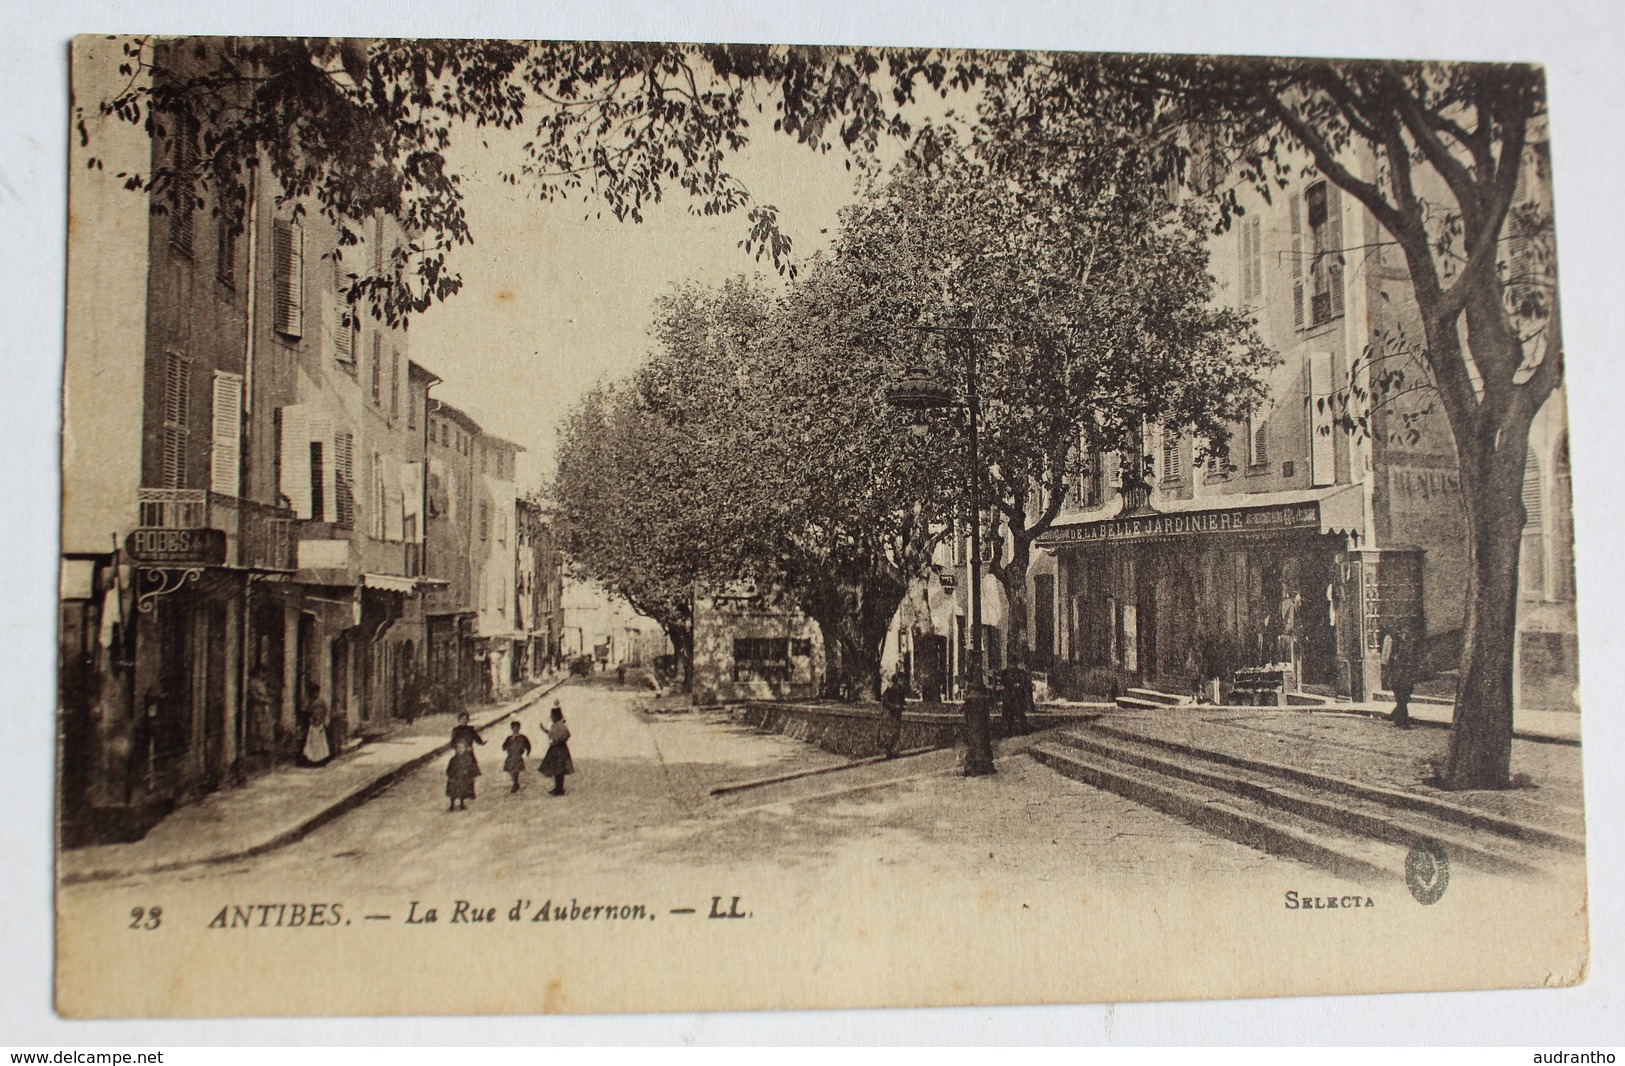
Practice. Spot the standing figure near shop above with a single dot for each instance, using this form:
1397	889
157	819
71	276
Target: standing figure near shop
557	762
517	745
892	702
316	751
461	770
1018	698
1399	673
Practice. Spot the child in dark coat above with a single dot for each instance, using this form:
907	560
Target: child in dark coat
460	774
517	746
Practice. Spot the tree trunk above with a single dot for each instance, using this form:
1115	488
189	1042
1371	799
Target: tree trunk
1481	733
1012	577
682	646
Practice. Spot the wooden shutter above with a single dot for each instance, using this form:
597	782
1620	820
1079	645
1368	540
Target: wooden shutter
293	459
344	337
1295	211
412	500
289	249
183	200
394	509
1322	444
225	453
177	418
377	368
1331	253
344	480
395	385
1171	468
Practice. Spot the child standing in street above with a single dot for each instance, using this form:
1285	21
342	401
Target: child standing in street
557	763
460	774
517	746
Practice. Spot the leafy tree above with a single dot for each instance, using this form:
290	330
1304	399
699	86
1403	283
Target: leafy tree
811	490
624	503
357	127
1091	297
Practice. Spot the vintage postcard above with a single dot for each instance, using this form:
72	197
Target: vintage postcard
570	527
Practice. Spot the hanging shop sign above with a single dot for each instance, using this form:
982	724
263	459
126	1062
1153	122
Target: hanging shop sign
1272	519
151	546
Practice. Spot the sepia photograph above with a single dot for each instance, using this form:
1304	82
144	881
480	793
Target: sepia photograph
571	527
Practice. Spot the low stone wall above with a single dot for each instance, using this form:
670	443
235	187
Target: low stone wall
849	730
852	729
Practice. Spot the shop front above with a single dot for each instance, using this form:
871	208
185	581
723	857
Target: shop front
1178	599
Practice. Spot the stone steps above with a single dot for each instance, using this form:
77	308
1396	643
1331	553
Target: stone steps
1235	817
1150	699
1438	808
1354	830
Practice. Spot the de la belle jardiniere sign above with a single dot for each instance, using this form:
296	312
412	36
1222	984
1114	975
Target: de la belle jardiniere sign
1269	519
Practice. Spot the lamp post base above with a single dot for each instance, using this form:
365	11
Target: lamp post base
978	731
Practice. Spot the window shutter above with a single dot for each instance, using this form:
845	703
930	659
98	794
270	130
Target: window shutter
1171	467
293	460
225	259
377	368
322	490
225	453
394	504
290	277
177	418
344	336
1295	212
1322	443
395	385
344	480
1332	253
182	200
412	500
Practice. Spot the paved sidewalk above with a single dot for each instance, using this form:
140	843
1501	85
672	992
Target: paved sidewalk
1527	724
283	805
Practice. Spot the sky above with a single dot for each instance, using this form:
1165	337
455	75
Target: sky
555	299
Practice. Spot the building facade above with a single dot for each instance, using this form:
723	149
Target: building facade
244	511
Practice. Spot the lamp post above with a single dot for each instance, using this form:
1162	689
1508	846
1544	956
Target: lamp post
919	393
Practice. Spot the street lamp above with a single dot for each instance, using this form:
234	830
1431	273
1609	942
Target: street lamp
918	393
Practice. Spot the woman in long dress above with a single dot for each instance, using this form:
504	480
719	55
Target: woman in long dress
557	762
316	750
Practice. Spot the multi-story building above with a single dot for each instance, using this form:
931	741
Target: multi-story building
243	490
494	556
1307	544
539	593
451	512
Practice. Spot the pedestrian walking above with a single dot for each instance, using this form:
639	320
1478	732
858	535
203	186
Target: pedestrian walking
1399	673
316	751
461	772
892	702
557	762
517	745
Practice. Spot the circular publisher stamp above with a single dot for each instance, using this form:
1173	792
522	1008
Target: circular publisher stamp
1427	872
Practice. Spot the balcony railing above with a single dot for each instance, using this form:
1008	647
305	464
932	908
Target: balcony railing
257	534
173	508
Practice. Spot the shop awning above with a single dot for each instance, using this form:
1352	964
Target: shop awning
390	583
1330	509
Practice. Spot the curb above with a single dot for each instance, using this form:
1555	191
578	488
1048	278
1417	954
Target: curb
333	811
